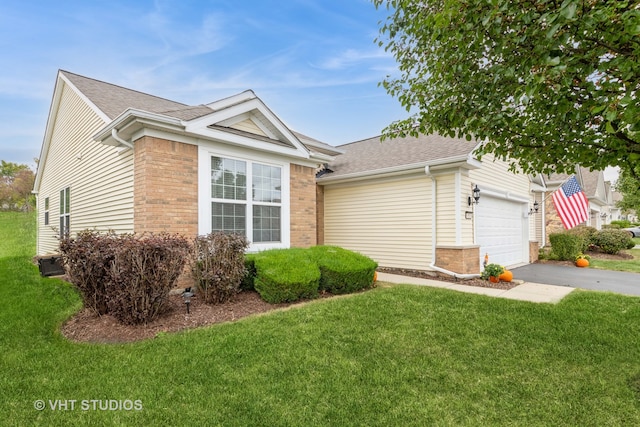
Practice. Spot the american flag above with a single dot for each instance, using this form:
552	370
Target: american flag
571	203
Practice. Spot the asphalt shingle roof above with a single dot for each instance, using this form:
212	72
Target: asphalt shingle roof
373	154
113	100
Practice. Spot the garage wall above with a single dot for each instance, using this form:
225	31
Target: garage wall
501	225
387	220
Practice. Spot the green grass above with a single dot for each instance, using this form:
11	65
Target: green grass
395	355
632	265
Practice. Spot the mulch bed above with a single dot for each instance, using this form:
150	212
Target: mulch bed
86	326
445	278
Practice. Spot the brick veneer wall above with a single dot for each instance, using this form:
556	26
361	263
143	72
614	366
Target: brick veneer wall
534	251
303	206
459	259
165	187
553	224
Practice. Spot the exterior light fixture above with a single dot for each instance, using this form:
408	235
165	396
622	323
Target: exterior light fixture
536	206
187	295
476	196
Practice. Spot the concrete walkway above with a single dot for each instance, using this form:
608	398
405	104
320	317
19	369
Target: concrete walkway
526	291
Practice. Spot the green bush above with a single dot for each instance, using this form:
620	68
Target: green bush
612	241
621	223
286	275
585	233
247	283
217	265
565	246
343	271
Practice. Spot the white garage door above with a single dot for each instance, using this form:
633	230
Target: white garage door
500	231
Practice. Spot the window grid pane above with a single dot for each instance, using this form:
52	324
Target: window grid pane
228	217
266	223
228	179
267	185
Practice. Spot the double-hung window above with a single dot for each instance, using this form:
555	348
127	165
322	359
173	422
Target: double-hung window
65	216
46	211
246	198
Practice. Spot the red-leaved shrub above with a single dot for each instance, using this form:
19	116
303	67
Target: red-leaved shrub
217	265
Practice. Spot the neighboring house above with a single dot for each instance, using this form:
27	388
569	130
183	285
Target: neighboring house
117	159
602	199
408	203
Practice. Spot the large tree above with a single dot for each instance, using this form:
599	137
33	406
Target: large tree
16	183
546	83
629	187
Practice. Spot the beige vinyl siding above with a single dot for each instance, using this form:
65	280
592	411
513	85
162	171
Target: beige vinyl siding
248	126
536	220
496	176
446	215
100	177
390	221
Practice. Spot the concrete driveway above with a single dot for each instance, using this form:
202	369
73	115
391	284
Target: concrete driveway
584	278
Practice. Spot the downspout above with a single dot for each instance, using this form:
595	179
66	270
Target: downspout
434	188
114	134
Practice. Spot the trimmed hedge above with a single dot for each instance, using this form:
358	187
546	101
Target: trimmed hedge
247	283
286	275
586	233
565	246
612	241
343	271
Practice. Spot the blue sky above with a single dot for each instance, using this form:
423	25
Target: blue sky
313	62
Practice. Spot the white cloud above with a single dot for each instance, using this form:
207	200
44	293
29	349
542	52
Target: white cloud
353	57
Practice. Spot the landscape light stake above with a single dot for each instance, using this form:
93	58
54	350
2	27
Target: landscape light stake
187	294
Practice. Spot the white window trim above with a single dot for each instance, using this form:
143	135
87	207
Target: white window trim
64	214
204	192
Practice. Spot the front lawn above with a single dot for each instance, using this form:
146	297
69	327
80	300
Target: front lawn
632	265
395	355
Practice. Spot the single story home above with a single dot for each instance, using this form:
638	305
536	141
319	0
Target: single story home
427	203
117	159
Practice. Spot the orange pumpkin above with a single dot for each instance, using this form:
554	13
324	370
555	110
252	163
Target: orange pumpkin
581	262
375	276
506	276
494	279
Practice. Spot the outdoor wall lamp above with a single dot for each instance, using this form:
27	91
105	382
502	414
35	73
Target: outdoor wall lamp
187	294
536	206
476	196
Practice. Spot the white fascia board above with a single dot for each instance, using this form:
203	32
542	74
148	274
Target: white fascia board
86	100
537	188
200	125
230	138
51	118
434	166
232	100
132	115
61	82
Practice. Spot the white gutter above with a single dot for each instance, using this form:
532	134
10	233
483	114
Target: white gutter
434	188
114	134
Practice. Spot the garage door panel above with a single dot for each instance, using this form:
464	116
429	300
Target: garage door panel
500	230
